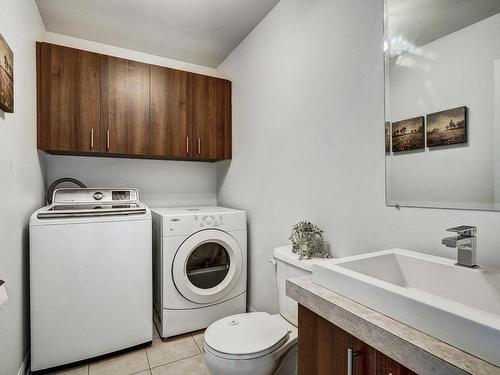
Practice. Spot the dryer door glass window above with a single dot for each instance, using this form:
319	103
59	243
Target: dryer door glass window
208	265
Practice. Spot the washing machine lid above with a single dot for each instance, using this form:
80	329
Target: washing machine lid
249	334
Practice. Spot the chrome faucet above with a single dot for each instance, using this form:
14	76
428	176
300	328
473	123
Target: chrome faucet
465	243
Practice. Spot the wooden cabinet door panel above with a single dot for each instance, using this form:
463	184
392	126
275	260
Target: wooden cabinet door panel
125	106
225	129
69	99
169	116
210	117
324	348
388	366
199	114
364	360
320	346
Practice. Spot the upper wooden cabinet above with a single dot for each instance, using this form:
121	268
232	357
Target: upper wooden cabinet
170	129
211	117
124	106
95	104
69	99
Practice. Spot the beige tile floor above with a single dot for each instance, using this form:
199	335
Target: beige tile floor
181	355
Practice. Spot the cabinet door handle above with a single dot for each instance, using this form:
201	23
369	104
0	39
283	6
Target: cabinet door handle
107	139
92	138
187	145
199	146
350	356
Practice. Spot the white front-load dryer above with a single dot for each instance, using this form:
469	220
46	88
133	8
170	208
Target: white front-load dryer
200	260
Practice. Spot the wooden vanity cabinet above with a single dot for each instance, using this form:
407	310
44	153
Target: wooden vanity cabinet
325	349
90	103
388	366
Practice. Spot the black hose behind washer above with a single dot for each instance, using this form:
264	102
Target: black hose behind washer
52	187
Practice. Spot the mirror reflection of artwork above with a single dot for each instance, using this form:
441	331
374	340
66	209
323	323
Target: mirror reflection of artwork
387	137
447	127
408	134
6	77
440	55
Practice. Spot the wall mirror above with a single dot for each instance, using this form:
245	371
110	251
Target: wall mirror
442	95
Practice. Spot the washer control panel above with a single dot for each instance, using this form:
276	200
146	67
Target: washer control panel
98	195
90	195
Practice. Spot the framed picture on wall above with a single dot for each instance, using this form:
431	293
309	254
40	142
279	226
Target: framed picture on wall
387	137
408	134
6	77
447	127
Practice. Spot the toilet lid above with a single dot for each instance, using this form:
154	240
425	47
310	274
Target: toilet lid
245	334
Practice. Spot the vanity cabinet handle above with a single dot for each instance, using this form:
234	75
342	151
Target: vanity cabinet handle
350	356
92	138
199	146
187	145
107	139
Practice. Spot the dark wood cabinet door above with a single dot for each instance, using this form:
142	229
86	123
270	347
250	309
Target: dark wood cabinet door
125	106
388	366
364	357
210	117
169	116
69	99
325	349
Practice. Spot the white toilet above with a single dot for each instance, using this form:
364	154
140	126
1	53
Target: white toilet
258	343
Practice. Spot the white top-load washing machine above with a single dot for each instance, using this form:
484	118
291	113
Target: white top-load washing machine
200	266
90	276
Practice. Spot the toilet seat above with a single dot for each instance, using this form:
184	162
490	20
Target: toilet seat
246	336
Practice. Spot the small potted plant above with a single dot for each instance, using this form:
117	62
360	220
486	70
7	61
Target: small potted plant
308	241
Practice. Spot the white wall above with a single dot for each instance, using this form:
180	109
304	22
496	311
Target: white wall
106	49
308	113
21	181
160	182
496	100
307	101
450	72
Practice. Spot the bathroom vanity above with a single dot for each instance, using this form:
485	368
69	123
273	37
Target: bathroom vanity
340	336
327	349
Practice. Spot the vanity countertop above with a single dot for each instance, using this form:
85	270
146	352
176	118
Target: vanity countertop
416	350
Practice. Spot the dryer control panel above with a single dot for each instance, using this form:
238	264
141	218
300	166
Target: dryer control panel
211	221
180	221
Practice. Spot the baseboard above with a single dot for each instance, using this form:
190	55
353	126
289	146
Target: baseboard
25	366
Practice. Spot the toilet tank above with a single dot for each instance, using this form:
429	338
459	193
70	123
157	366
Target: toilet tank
289	266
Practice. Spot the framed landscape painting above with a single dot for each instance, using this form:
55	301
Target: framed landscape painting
6	77
408	134
447	127
387	137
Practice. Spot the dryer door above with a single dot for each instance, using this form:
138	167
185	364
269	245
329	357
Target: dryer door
207	266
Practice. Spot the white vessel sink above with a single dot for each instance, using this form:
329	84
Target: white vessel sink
458	305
